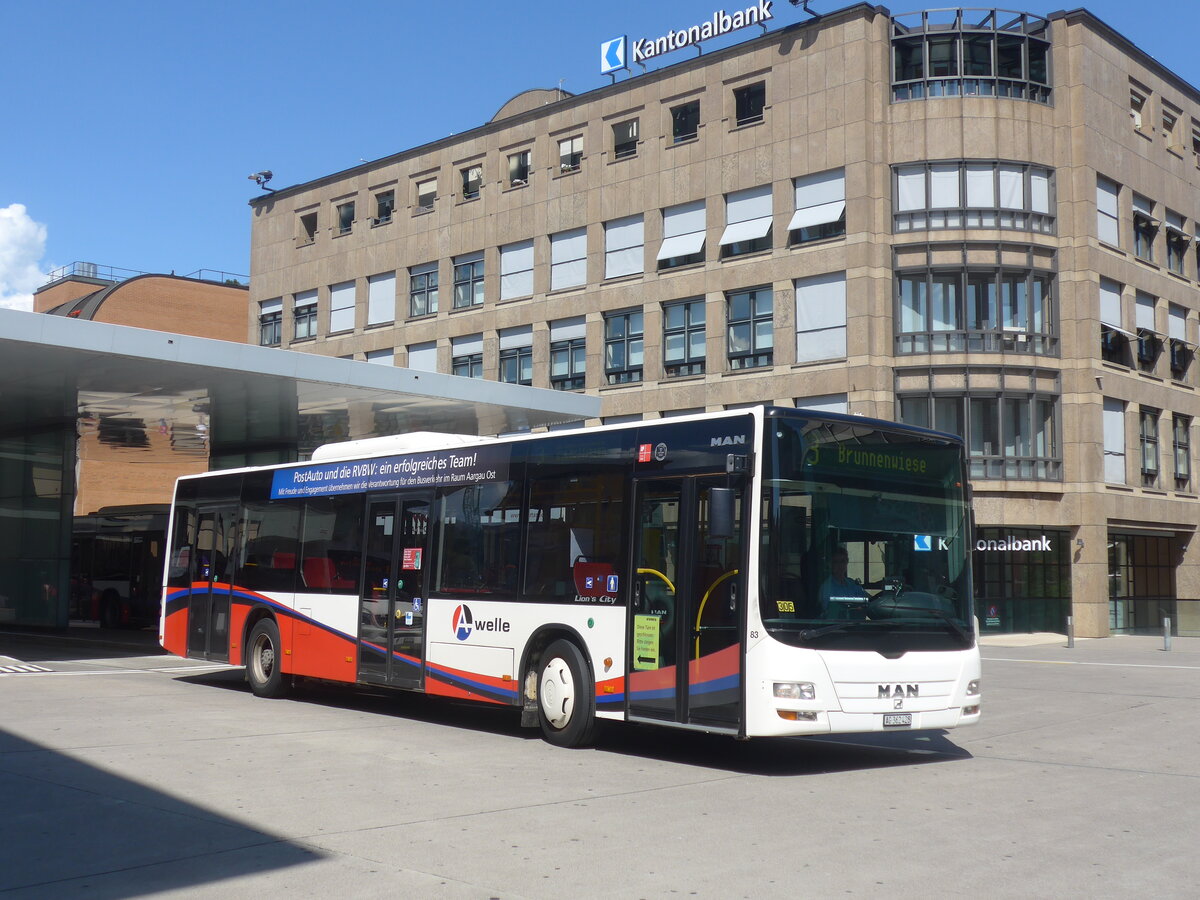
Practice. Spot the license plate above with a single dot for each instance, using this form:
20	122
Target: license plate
896	720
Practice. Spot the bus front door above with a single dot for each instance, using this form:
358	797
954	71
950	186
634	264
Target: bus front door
391	630
685	634
208	603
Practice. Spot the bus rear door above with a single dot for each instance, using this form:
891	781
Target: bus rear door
391	629
685	635
208	603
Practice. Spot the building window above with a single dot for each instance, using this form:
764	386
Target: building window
1114	440
1170	126
1145	227
1141	579
683	235
518	168
568	259
1149	342
685	121
426	195
625	139
385	205
472	181
385	357
820	207
684	336
976	309
623	347
423	357
468	281
978	53
973	194
1196	141
1148	444
341	307
304	316
1114	339
821	317
308	228
516	355
345	218
270	322
466	359
516	270
1106	211
1181	351
568	356
747	222
1181	439
1010	435
624	252
570	154
1177	242
381	298
423	290
1137	107
749	103
750	328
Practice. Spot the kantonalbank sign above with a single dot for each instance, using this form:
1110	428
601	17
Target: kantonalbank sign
614	54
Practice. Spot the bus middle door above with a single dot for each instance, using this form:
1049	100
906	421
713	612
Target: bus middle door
209	601
391	630
685	640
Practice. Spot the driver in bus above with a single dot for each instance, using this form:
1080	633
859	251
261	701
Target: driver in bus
840	595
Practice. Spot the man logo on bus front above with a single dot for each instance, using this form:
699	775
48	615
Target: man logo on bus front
462	622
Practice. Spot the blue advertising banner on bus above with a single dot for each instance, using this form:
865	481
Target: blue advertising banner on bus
435	469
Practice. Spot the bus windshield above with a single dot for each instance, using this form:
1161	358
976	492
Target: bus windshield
864	535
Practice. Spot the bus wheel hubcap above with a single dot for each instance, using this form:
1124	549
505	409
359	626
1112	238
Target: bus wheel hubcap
558	693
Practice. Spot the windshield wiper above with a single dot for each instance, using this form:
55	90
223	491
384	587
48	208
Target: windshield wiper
809	633
948	620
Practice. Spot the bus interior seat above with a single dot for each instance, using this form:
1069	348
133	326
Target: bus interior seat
320	573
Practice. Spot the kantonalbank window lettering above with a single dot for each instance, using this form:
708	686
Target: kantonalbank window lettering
865	539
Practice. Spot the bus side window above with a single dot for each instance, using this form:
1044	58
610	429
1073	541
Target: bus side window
329	545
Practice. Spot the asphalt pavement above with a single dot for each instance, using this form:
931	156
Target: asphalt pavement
126	773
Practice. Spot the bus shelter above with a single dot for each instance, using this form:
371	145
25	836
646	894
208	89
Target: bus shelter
214	403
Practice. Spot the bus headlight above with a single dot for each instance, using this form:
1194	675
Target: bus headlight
795	690
973	687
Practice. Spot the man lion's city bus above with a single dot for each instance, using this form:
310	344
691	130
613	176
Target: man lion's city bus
759	572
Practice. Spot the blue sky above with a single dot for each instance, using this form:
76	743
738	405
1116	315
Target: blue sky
129	127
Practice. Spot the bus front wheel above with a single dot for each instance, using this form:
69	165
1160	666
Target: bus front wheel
566	696
263	660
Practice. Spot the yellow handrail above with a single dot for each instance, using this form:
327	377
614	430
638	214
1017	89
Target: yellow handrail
699	613
660	575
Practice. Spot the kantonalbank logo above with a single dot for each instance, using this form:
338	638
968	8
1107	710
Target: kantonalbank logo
462	623
867	459
612	53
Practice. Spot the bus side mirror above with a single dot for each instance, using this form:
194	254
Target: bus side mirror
720	512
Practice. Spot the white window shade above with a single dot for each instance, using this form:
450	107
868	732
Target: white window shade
1144	312
1012	187
834	403
568	329
423	357
822	214
467	344
910	188
821	317
1114	441
623	247
341	306
516	270
1039	191
1110	303
275	305
306	298
1176	323
821	188
515	338
382	357
683	230
568	259
747	215
1143	205
981	187
381	298
943	186
1106	196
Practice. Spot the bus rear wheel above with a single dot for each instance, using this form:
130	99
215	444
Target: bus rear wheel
566	696
263	658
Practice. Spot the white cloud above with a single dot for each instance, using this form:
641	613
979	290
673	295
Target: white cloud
22	243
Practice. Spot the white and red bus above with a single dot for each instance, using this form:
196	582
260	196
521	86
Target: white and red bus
759	572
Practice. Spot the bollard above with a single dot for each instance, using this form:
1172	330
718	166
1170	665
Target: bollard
1166	633
1070	633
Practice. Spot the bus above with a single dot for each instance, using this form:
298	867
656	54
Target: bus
117	565
759	572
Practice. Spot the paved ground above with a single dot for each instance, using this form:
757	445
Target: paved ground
124	773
